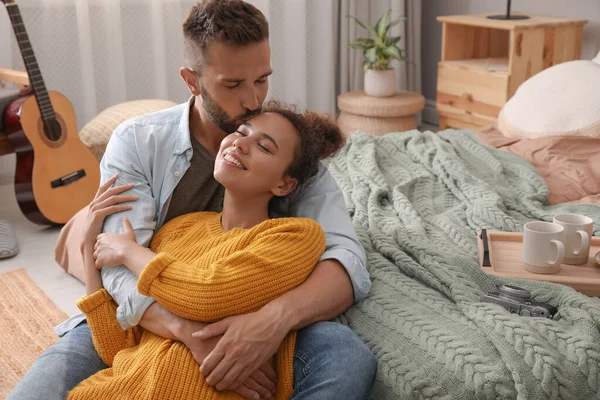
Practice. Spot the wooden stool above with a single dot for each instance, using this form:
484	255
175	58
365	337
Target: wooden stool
379	115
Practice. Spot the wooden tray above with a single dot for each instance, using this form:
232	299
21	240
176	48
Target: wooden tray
506	259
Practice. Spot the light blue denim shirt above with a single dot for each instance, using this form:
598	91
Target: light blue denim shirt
153	152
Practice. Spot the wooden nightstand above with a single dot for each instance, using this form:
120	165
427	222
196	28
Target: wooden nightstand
379	115
485	60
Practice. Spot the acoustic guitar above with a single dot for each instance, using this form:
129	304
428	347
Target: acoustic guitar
56	174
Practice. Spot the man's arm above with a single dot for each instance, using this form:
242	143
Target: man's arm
340	277
322	200
121	157
326	294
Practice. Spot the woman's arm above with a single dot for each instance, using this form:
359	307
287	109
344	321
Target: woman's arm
93	277
112	249
276	261
108	336
99	307
279	258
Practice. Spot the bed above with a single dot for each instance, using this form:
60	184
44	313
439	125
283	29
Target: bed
417	201
570	165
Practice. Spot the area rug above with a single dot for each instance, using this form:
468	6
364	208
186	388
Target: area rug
27	316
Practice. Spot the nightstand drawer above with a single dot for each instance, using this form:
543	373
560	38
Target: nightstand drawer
471	88
463	119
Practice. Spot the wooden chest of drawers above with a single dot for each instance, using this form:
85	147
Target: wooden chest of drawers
484	61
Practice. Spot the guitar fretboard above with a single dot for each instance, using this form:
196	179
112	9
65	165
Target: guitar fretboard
35	76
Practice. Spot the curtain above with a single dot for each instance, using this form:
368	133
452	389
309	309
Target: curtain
303	58
102	52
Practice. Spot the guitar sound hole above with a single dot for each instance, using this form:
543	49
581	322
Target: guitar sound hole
52	129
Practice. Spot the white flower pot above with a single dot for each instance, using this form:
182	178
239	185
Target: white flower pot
380	83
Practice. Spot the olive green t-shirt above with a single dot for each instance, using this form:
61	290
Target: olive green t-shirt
197	190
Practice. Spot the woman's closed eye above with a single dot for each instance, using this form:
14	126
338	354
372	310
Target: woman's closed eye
241	133
263	148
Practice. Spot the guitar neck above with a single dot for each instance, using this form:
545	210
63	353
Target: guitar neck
35	76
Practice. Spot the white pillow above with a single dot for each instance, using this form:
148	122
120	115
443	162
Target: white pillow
563	100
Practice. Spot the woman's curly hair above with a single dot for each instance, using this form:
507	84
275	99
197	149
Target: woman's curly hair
320	138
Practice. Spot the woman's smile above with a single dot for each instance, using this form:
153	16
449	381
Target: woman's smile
233	160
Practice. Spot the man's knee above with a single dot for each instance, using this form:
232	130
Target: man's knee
77	342
338	352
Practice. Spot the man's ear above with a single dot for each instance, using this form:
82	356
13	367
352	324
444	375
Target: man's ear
191	80
286	186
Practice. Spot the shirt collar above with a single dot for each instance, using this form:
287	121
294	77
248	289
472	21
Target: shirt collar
184	142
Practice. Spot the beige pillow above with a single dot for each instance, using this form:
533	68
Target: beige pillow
563	100
96	133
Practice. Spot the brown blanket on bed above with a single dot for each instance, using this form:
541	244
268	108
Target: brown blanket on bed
570	165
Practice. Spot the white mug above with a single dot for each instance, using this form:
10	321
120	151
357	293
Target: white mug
543	248
578	231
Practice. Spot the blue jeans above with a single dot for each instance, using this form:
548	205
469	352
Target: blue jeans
330	362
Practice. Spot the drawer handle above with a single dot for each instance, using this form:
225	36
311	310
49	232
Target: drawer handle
467	96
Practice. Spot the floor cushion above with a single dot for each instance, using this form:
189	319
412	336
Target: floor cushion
96	133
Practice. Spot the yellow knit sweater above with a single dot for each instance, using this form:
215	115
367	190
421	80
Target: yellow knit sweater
202	273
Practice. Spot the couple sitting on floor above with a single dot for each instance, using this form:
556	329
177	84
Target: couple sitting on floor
250	250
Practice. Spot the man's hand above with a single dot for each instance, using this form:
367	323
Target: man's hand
248	342
260	384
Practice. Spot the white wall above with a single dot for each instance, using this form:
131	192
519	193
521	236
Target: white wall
432	30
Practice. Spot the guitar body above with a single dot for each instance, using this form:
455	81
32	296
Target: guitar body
54	179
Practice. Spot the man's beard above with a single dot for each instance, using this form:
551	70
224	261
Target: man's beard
220	118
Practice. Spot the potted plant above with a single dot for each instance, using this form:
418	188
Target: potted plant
379	51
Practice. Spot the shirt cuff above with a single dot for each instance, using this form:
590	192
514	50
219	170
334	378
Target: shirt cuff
131	311
152	270
361	282
89	303
71	323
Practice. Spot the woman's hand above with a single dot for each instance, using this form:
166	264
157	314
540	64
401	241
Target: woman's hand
111	248
105	203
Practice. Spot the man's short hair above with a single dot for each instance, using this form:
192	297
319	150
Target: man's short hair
231	22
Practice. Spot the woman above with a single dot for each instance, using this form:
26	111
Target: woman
208	266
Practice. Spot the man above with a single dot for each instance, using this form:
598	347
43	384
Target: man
169	157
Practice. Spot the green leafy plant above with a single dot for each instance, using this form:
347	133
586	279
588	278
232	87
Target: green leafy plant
382	49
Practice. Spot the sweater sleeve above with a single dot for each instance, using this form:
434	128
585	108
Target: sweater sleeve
108	336
173	229
272	263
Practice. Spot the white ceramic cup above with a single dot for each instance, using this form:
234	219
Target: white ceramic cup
543	248
578	231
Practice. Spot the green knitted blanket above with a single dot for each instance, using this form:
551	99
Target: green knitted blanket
417	201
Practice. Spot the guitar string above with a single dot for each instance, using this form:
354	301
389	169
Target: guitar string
39	88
